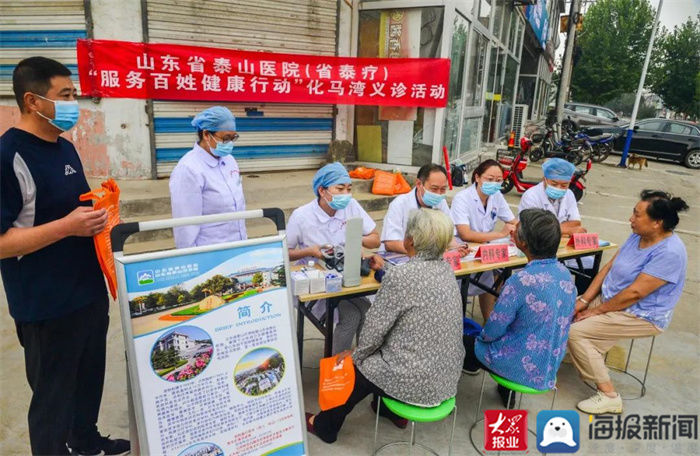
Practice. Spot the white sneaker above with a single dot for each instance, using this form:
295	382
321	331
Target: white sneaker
601	403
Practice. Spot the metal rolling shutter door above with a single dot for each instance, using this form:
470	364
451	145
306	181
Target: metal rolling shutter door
46	28
273	136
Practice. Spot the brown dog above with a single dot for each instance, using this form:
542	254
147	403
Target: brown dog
634	160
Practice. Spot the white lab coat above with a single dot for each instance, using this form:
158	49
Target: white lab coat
566	210
467	209
202	185
310	225
396	217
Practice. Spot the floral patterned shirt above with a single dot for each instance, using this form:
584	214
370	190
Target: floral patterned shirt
525	338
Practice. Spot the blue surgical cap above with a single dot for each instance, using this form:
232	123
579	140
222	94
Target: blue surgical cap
558	169
331	174
216	118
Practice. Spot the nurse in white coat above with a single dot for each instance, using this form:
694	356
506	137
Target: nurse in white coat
207	181
553	194
429	192
322	222
475	211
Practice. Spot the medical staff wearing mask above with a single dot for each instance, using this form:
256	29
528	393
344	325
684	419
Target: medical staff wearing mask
553	194
475	211
431	186
322	222
207	181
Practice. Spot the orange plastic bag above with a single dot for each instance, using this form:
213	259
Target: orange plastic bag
335	382
384	183
401	185
362	173
106	197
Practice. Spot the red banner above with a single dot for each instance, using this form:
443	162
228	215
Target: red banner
174	72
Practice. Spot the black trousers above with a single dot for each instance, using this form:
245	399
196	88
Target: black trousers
65	365
471	362
583	283
327	424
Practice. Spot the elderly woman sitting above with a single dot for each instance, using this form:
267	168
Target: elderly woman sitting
524	339
409	346
632	296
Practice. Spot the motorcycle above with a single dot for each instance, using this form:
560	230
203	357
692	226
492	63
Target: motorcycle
601	143
513	167
571	149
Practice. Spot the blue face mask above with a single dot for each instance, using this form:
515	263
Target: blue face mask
222	149
489	188
555	193
340	201
66	113
431	199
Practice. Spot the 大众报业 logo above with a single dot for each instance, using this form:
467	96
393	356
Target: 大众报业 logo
145	277
558	431
505	430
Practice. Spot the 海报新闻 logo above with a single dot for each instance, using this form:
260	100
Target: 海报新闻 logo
558	431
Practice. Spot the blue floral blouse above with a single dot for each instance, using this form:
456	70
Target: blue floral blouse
524	339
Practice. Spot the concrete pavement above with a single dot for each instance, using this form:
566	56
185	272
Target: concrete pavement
673	381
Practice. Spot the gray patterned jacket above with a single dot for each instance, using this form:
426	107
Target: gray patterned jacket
411	342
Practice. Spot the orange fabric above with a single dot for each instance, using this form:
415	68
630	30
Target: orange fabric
401	185
106	197
386	183
383	184
335	382
362	173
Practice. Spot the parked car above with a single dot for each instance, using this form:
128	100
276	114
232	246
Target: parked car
581	114
665	139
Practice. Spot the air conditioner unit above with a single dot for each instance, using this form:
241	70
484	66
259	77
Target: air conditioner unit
519	120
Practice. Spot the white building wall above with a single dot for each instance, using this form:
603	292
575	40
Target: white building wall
127	132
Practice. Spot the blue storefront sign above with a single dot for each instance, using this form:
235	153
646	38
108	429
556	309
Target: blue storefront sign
539	21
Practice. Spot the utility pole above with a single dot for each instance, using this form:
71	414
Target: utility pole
630	128
566	68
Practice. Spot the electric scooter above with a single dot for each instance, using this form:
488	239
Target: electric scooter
514	167
601	143
570	148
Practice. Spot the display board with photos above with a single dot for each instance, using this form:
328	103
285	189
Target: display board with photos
212	352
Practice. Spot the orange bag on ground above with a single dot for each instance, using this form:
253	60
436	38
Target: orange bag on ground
335	382
384	182
401	185
106	197
362	173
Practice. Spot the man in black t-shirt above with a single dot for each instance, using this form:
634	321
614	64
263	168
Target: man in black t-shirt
54	286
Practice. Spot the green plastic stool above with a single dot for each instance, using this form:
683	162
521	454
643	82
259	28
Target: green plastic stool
515	388
415	414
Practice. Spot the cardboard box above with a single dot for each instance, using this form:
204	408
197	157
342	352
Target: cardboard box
300	283
317	281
